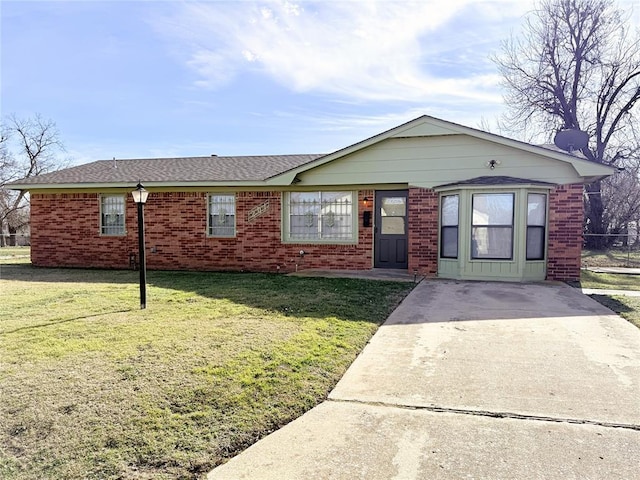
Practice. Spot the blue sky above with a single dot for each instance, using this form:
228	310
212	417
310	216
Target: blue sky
185	78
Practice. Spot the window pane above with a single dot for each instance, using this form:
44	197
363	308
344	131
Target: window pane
491	242
535	243
393	207
112	215
536	209
492	209
449	242
392	226
320	215
450	210
222	215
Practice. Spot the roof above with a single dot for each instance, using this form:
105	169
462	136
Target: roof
427	126
172	170
272	169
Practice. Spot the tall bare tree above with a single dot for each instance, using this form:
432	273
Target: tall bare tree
576	65
28	147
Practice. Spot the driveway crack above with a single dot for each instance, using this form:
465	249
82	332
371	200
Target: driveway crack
494	414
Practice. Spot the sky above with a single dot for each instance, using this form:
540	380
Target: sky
165	78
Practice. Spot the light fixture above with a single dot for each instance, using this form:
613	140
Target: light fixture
493	163
365	200
140	196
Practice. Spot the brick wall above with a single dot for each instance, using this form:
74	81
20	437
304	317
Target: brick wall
65	232
423	231
565	232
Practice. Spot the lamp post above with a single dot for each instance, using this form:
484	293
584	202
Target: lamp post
140	197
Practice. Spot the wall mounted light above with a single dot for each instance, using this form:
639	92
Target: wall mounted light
492	164
365	200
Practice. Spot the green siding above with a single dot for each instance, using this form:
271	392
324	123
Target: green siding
466	268
433	161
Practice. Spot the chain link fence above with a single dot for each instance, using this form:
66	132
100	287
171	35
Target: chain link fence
611	250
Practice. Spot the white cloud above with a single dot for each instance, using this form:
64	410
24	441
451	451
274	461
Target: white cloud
355	50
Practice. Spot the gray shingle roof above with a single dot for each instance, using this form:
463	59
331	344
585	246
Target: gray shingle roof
174	170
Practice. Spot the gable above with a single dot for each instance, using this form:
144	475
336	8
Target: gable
428	161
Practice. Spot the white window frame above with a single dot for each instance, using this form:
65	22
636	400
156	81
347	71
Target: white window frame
231	201
113	230
287	237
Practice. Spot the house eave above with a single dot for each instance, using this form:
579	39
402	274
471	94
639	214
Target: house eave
132	185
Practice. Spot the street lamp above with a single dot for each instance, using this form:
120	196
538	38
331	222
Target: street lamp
140	197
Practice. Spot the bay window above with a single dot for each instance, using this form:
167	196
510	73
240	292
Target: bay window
492	226
449	226
536	221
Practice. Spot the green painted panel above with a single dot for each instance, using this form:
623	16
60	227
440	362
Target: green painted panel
433	161
518	269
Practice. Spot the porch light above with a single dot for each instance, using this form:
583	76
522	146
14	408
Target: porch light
140	196
365	200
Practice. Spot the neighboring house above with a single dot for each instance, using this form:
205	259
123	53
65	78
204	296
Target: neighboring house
429	196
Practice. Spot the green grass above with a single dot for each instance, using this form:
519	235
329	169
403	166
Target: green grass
611	258
93	387
625	306
609	281
13	255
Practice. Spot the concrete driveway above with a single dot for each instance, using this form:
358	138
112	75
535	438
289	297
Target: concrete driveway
473	380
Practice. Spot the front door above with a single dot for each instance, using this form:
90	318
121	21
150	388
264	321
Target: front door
390	238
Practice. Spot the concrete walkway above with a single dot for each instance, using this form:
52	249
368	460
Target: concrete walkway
473	380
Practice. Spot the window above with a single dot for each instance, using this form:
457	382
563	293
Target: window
112	214
492	226
320	216
222	215
536	221
449	226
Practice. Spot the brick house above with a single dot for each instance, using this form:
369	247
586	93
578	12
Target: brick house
428	196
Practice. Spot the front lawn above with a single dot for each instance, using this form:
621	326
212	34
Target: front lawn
14	255
609	281
614	257
93	387
625	306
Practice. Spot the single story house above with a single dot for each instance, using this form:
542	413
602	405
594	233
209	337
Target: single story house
429	196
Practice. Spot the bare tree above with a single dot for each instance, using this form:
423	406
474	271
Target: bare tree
28	147
576	66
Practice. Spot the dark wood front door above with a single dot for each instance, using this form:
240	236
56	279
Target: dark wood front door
390	238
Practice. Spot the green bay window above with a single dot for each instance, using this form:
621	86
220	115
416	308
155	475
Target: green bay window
222	215
492	226
536	221
449	226
319	217
112	214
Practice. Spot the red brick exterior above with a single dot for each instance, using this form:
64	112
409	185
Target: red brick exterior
423	231
65	231
565	232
